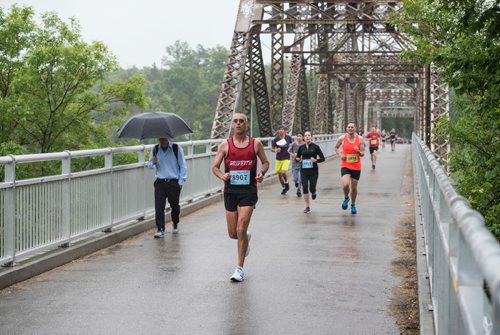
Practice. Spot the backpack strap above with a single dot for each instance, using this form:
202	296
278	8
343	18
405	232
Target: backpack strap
175	148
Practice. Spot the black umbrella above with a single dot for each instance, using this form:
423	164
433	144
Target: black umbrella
154	125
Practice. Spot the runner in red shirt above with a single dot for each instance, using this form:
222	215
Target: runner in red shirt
373	138
240	155
353	148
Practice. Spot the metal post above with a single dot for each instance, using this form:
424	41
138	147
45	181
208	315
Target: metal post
141	158
66	199
108	164
10	213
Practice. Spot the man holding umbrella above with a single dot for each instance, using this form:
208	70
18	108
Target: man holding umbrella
168	158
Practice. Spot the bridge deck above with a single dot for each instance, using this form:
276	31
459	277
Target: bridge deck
324	273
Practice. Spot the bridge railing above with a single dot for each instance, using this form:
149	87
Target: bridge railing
463	257
49	211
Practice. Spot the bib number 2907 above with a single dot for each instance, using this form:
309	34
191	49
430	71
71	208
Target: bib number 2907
240	177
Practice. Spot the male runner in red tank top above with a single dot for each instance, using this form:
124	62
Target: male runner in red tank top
240	176
353	148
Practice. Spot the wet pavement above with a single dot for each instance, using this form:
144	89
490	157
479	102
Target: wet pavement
328	272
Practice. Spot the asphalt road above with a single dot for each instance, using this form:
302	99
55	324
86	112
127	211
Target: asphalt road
328	272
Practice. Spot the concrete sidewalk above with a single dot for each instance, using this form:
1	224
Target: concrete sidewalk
328	272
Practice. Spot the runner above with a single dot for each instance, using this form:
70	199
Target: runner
309	155
353	149
392	137
373	138
240	191
280	146
299	140
383	136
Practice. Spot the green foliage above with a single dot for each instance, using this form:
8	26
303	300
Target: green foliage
188	84
461	39
52	88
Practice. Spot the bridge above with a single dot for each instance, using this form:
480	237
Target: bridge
327	273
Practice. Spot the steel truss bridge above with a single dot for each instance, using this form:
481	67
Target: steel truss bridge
332	62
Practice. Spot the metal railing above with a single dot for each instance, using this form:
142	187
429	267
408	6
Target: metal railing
45	212
463	257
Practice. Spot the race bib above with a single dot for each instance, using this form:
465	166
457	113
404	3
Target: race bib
352	158
373	142
240	177
307	164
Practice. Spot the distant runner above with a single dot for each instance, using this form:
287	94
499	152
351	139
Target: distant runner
280	145
353	148
373	140
383	136
392	137
309	155
299	140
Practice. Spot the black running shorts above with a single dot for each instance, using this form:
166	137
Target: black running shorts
355	174
372	149
233	200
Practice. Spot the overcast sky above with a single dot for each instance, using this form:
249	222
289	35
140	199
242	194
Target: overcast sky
137	32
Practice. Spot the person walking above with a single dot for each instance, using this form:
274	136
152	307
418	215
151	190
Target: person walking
171	174
240	176
299	140
373	138
280	145
353	148
383	136
392	138
309	155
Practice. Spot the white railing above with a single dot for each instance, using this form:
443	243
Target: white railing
41	213
462	255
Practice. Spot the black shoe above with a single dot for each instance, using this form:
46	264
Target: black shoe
299	194
283	192
373	166
296	185
313	196
287	187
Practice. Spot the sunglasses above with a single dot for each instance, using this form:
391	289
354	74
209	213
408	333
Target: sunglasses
239	120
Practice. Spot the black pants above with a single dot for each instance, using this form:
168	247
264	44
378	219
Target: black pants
309	180
164	190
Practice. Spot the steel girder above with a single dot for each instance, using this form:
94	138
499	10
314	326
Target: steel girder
277	74
261	96
231	85
439	108
292	95
352	43
322	104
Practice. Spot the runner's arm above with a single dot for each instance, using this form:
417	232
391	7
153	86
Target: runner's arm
259	149
221	153
337	147
319	153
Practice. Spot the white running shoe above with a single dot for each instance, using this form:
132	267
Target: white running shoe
175	228
238	275
249	237
159	234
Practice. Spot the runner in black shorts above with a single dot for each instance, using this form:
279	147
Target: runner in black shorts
240	177
355	174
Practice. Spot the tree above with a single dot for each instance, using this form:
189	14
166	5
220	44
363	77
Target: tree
461	39
53	89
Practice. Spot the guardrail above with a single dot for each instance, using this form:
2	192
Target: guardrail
463	257
41	213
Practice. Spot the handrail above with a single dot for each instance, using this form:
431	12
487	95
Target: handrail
462	255
48	211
